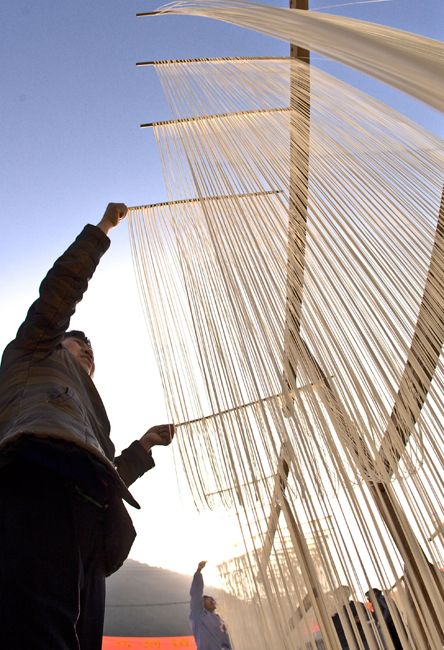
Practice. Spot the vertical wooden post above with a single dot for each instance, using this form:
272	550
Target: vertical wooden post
297	52
299	167
298	191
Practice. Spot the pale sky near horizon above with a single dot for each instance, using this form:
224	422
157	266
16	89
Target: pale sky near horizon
71	106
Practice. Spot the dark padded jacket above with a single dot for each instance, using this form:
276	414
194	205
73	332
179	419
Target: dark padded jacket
45	391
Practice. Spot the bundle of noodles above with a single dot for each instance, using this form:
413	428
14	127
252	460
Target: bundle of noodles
293	289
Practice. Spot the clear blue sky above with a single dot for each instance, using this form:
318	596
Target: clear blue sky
71	105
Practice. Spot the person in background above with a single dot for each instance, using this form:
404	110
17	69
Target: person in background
382	613
63	524
209	630
350	610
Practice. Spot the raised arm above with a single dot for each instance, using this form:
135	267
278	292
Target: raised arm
64	285
196	592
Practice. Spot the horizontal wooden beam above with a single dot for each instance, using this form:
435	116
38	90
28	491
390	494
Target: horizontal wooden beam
219	59
205	198
215	117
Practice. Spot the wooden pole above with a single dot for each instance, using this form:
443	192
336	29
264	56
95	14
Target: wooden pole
299	169
299	166
423	357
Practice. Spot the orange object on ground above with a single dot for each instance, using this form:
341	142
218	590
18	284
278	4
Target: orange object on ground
141	643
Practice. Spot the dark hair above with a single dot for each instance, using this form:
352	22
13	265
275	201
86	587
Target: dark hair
375	591
78	334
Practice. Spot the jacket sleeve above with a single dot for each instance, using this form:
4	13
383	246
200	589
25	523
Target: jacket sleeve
196	593
133	463
63	287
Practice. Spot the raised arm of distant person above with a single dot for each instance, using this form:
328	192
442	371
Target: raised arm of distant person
196	592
